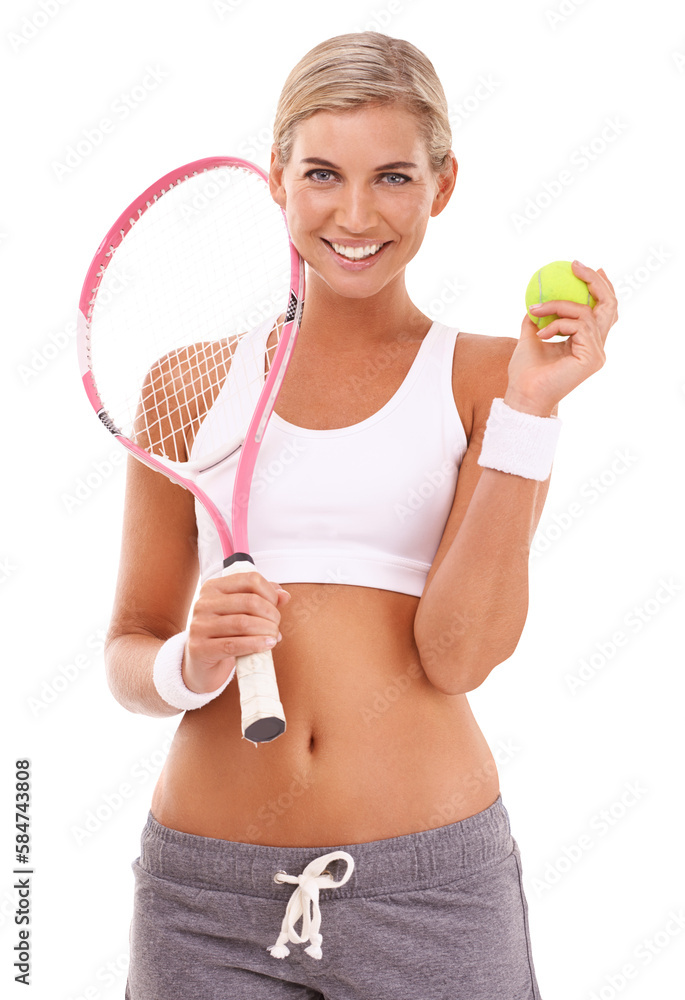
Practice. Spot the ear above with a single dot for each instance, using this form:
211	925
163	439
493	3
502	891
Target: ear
276	186
445	185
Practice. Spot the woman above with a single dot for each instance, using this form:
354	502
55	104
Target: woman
429	450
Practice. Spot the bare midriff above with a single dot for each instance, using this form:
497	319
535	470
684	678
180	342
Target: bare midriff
371	749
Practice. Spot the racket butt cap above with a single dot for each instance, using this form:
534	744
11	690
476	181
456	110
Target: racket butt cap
264	730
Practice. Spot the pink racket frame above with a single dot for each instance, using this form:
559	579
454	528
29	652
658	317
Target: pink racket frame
238	542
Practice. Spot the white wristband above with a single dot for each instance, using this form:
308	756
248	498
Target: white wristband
522	444
167	675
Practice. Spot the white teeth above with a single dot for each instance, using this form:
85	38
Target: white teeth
356	253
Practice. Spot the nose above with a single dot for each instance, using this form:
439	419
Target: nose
356	210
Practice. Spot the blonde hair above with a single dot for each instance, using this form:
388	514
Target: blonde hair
367	67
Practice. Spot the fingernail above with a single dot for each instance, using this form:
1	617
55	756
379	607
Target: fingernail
539	305
270	641
279	637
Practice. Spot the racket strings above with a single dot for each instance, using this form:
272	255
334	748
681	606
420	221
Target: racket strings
178	393
202	265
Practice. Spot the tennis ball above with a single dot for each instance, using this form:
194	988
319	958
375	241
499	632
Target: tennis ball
555	281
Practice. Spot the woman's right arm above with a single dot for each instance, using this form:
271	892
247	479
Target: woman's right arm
158	573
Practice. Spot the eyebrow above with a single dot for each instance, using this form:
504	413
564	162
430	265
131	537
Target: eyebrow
397	165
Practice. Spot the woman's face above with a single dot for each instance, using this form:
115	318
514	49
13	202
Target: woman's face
358	191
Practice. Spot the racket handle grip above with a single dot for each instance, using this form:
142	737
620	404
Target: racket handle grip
262	715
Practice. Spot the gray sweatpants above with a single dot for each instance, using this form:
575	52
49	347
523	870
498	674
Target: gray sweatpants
435	915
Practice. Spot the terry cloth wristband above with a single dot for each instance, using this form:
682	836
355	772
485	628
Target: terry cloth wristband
168	676
522	444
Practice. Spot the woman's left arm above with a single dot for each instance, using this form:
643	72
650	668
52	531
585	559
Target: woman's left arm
475	600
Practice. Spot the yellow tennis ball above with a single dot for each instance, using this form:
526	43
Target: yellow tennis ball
555	281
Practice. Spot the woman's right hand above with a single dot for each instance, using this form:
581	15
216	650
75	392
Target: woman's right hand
233	615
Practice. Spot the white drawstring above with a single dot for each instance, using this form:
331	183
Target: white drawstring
308	884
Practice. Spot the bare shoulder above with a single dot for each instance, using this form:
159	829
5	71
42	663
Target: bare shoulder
178	390
479	373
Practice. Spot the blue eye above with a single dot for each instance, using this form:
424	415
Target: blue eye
322	176
320	170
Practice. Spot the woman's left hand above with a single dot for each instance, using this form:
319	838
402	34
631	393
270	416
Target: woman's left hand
542	374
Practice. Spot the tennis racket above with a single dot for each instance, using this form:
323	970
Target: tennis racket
202	257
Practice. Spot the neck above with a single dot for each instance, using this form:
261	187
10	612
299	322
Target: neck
331	321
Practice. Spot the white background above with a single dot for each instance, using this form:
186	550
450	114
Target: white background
534	88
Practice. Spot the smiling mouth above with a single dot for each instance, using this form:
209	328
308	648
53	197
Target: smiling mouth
356	253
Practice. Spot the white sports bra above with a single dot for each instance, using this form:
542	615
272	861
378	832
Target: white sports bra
364	505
